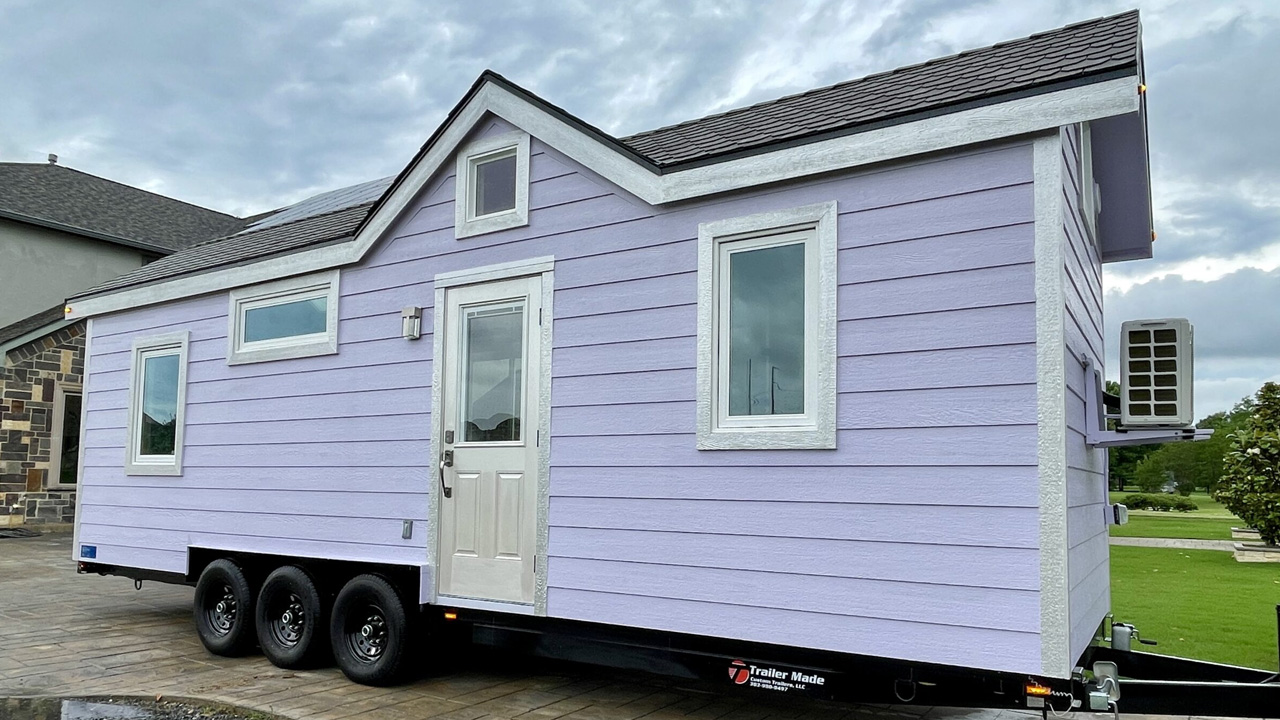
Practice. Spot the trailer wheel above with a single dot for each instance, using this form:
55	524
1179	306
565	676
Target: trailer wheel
224	609
369	631
292	631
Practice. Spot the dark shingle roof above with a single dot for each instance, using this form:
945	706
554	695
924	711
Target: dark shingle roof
1059	56
1083	52
252	245
29	323
62	197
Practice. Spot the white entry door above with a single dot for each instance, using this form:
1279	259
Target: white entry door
489	455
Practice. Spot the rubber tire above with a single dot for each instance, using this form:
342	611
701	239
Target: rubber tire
239	639
348	609
314	642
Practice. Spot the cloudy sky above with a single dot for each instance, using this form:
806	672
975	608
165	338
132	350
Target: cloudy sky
245	106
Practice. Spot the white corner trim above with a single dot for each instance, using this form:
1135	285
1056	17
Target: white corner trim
499	271
1051	388
819	432
286	290
465	224
84	410
179	341
992	122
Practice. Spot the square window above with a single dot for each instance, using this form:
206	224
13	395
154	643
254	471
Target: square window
767	331
291	318
492	185
157	399
495	183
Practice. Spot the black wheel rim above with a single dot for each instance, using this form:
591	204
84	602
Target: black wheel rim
288	621
366	633
221	610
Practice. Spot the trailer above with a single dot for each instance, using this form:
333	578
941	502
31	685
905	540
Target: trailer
804	396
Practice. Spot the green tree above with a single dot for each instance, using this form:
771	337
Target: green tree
1123	461
1250	485
1192	465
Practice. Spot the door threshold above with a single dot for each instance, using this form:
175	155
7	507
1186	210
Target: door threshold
490	605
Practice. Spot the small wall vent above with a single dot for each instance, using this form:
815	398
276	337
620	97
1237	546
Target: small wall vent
1156	373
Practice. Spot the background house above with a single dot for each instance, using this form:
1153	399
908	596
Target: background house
62	231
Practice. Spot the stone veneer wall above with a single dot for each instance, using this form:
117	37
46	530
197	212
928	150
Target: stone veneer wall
27	381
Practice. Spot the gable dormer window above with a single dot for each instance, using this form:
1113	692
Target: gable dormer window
493	185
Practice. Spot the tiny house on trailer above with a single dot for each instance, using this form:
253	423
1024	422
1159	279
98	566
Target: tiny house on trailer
812	374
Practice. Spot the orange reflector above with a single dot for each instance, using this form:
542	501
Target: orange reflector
1038	690
451	616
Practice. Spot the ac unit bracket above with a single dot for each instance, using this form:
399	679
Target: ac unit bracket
1097	435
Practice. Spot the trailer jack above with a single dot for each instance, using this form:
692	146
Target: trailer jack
1166	685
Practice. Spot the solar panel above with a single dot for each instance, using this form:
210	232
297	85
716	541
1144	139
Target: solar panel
325	202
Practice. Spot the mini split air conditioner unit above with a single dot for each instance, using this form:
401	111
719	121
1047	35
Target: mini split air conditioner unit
1156	373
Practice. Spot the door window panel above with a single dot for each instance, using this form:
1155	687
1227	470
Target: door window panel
493	372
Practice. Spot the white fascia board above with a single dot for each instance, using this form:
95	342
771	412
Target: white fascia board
216	280
992	122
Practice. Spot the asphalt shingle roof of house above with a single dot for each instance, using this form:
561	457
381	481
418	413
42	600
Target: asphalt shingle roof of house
250	245
29	324
59	196
1079	53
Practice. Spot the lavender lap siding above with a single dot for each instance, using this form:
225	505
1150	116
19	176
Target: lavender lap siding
901	543
1088	567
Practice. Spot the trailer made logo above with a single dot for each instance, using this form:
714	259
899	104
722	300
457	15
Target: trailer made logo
773	678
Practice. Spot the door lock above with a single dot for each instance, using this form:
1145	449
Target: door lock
448	437
446	461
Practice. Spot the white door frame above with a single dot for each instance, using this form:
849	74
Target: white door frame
543	266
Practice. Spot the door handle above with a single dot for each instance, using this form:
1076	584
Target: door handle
446	461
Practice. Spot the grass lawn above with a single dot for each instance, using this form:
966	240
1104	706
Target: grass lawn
1198	603
1208	507
1210	522
1175	525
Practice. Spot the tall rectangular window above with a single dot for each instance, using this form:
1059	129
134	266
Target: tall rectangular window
765	331
64	450
290	318
766	326
157	399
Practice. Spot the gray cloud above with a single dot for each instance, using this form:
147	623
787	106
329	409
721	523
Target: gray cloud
1237	346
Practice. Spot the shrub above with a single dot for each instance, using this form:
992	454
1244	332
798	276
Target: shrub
1250	485
1148	501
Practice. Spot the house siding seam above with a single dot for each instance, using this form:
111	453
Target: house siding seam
1087	538
854	550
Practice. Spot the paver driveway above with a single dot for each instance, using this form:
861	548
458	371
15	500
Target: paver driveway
64	634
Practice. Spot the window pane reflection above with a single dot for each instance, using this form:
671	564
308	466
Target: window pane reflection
493	365
766	331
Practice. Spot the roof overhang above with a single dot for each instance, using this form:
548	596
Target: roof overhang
1019	116
1123	174
33	335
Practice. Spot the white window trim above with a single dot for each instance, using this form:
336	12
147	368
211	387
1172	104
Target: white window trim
466	224
273	293
60	393
1090	195
816	429
155	464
